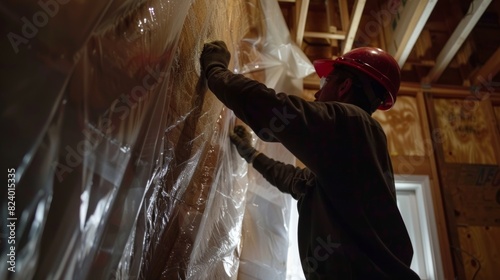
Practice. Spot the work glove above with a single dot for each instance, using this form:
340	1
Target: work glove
214	54
241	139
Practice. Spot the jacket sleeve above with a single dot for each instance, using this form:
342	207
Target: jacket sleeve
273	116
286	177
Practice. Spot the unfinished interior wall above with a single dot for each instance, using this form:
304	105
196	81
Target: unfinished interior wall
467	149
122	161
459	137
402	125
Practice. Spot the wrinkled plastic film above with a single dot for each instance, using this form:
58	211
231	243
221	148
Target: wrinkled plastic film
124	168
281	65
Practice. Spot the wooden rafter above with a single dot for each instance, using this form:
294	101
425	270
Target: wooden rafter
456	40
413	21
358	8
489	70
303	7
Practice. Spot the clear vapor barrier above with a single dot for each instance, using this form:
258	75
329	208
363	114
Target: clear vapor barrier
122	162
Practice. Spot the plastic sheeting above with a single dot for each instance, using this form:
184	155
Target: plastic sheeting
121	158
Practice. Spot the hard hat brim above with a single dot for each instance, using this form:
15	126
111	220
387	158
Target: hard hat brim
323	67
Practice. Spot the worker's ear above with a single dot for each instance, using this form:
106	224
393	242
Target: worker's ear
345	87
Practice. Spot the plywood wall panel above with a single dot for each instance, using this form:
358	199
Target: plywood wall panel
402	125
480	252
465	134
496	110
464	138
473	193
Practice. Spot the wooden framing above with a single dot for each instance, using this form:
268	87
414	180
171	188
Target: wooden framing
452	176
457	38
349	21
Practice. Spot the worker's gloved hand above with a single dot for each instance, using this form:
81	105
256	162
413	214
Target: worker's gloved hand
242	139
214	54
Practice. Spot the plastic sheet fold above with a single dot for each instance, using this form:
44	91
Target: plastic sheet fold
122	163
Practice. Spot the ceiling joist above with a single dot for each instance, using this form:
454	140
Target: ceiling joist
489	70
357	12
416	33
303	7
458	37
344	14
413	20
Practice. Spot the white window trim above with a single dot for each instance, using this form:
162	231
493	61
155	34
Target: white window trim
419	185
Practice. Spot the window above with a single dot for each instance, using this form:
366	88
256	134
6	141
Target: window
416	207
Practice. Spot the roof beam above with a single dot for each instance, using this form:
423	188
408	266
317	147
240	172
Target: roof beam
303	6
344	14
489	70
358	8
458	37
413	21
325	35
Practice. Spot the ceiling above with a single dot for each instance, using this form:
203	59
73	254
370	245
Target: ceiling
436	42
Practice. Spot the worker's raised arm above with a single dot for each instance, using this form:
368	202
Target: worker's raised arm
274	117
286	177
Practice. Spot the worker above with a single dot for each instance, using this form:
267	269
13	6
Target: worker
349	224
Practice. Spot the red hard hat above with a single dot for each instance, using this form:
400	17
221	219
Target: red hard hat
374	62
